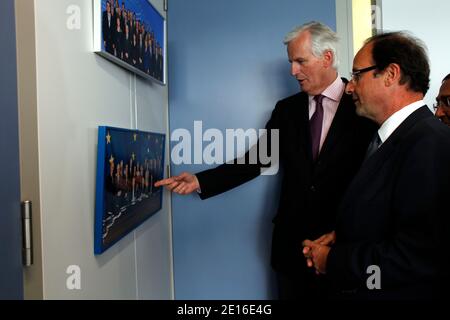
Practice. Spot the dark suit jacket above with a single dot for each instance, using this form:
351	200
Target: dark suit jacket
395	215
311	192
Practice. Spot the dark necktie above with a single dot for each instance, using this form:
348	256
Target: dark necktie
374	145
316	126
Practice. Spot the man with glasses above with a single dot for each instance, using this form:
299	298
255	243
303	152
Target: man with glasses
393	227
442	106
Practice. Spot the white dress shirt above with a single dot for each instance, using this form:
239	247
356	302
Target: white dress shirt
333	95
395	120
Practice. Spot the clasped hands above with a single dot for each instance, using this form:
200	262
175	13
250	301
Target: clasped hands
316	252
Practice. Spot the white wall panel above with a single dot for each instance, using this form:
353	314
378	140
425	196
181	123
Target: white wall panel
152	115
428	21
78	91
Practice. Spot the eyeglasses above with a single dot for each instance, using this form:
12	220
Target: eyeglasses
355	75
443	101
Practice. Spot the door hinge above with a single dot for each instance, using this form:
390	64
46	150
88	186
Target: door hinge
165	5
27	234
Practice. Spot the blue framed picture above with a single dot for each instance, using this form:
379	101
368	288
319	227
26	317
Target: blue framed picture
132	34
129	162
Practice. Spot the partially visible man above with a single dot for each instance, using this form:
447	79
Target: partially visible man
442	106
322	145
393	230
108	26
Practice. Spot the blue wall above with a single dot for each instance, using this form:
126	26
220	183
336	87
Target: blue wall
11	286
228	67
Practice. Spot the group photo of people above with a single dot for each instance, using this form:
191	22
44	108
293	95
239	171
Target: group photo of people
132	162
129	35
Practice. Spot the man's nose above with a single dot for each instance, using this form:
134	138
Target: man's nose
295	69
440	112
350	87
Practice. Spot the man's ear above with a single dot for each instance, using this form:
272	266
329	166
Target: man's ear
392	74
328	58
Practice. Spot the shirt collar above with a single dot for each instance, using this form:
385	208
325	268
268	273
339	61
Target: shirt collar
395	120
334	91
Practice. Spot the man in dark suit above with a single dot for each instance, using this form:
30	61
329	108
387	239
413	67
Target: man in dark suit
442	106
393	230
322	143
108	27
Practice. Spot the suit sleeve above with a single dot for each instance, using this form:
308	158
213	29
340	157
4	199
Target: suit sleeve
417	249
230	175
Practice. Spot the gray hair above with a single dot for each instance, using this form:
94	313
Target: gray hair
322	39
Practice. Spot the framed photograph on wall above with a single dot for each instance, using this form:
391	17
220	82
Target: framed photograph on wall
377	18
129	162
132	34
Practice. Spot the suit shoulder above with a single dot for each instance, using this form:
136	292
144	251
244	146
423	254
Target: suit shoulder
292	100
428	138
291	103
287	108
437	131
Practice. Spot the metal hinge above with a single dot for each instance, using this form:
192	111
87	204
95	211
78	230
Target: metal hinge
27	234
165	5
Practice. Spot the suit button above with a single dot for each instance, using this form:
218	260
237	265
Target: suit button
313	188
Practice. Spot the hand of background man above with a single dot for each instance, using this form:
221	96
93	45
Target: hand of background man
185	183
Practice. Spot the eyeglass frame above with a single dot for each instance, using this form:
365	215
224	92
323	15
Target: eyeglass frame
355	74
443	101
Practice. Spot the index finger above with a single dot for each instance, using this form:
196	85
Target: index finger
164	182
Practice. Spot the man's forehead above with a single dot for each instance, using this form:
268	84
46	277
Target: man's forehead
298	50
363	58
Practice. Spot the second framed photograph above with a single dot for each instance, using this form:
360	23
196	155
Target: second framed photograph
129	162
132	34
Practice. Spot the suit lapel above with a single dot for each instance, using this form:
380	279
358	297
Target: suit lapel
337	128
300	125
